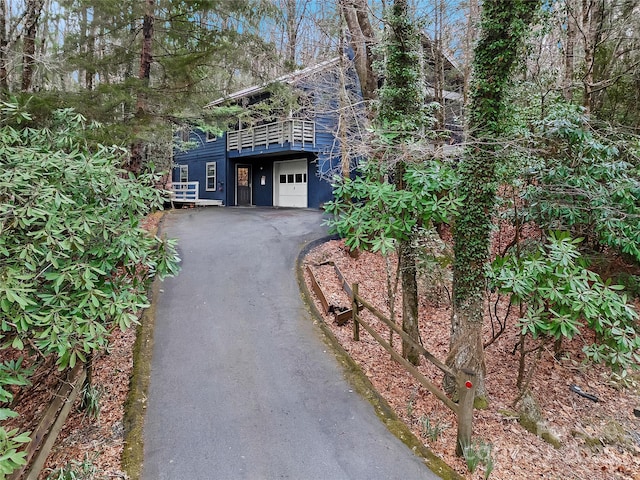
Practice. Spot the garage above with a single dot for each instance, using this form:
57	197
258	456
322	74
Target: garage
290	182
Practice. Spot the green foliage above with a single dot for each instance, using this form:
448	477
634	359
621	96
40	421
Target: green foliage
478	453
91	396
432	430
10	443
11	373
74	261
562	295
76	470
402	113
372	214
586	182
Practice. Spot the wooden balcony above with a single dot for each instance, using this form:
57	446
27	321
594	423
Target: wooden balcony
294	132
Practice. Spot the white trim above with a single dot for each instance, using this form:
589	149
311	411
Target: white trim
185	178
210	137
276	180
207	176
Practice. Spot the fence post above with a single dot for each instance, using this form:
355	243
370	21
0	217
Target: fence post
354	312
466	393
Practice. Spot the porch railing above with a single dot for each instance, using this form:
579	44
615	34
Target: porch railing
300	132
185	191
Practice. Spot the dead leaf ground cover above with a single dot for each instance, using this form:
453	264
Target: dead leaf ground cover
600	441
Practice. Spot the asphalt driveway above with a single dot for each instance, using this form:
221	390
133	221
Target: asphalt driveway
242	385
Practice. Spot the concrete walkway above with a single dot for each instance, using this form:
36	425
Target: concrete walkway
242	386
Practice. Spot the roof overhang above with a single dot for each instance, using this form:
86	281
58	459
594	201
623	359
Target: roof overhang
290	78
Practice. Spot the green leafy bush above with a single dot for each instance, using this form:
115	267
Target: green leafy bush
587	181
372	214
562	296
74	261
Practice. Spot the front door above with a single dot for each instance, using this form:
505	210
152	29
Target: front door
243	185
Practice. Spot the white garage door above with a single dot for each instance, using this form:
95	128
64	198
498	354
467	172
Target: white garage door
291	184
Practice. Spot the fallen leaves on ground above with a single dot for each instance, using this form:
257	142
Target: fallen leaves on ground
600	441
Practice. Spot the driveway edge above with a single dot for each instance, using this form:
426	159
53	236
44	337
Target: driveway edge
356	377
132	459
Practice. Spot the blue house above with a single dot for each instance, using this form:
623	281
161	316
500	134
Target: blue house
287	162
289	159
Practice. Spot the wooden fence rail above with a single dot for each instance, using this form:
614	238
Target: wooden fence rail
465	378
45	434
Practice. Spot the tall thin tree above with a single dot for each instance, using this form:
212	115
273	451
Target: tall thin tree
400	118
504	26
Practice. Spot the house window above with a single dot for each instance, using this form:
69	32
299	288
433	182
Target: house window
211	176
184	173
211	137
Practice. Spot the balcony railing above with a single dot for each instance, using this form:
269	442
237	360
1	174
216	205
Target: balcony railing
295	132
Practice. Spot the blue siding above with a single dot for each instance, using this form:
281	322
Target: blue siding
323	158
197	158
263	194
319	187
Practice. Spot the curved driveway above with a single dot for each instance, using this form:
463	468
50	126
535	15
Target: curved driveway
242	386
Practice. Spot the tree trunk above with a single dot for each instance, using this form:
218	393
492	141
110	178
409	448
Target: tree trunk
146	57
292	24
592	11
144	75
355	13
407	259
401	105
504	26
32	18
4	45
469	42
569	51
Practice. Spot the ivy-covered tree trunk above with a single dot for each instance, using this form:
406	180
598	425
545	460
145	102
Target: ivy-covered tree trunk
401	120
504	26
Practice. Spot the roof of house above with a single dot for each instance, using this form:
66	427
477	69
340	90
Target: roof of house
294	77
290	78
